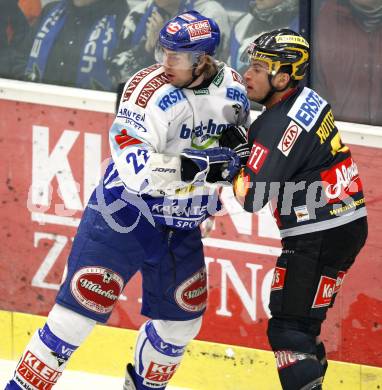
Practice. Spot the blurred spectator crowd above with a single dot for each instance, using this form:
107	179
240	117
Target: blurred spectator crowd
99	44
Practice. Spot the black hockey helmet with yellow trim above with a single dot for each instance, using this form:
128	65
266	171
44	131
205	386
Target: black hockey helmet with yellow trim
279	48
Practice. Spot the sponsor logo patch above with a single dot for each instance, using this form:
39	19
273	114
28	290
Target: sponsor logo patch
170	99
218	78
202	91
149	89
160	373
278	279
164	170
325	291
173	27
257	157
239	96
326	127
302	213
199	30
137	79
289	138
292	39
191	295
236	76
341	181
124	140
204	134
307	109
96	288
338	209
128	114
36	373
133	119
339	281
203	130
285	359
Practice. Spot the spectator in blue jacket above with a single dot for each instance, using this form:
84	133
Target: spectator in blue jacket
72	42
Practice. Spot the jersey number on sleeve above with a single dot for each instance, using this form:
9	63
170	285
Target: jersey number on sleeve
136	159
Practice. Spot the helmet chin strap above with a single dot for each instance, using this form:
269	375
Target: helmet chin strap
272	90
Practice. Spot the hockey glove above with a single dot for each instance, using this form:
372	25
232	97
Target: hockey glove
193	167
216	164
235	138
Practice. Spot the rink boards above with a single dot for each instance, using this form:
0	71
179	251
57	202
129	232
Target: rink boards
206	365
52	143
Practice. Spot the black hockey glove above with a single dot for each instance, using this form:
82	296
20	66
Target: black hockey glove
235	138
220	164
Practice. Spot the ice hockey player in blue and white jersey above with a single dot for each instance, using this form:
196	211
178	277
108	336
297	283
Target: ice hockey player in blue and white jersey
167	109
145	214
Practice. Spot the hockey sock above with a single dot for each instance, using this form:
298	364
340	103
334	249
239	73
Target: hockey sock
295	352
47	354
298	371
43	360
156	357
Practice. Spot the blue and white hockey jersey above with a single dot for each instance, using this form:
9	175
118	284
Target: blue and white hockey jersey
154	124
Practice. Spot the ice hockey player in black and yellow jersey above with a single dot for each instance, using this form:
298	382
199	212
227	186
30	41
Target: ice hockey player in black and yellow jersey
299	164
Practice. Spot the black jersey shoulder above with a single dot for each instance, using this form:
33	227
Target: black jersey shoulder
272	123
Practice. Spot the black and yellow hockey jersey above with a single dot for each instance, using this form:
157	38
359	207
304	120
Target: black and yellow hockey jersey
299	163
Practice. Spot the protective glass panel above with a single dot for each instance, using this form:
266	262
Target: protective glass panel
98	44
347	58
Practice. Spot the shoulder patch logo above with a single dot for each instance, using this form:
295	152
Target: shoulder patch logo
137	79
171	98
124	140
289	138
218	78
149	89
236	76
307	108
238	95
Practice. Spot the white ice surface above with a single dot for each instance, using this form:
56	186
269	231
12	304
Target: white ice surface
73	380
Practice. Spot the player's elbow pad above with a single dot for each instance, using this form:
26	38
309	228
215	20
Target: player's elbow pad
171	173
